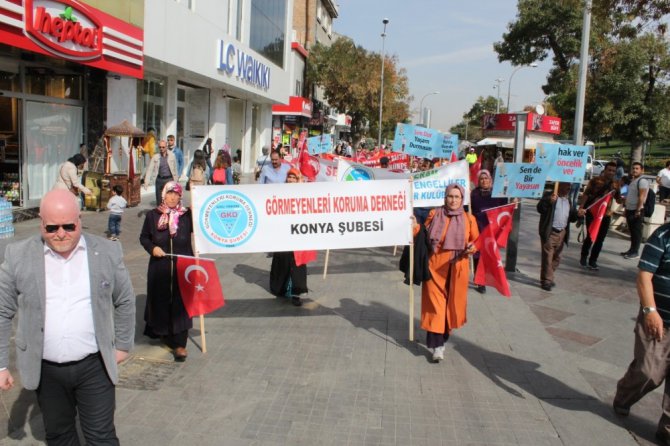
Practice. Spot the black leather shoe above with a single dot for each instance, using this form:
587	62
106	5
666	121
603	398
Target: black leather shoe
546	286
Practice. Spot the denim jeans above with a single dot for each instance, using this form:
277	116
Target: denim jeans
114	225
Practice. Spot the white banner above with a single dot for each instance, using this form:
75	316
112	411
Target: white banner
327	170
303	216
429	186
348	171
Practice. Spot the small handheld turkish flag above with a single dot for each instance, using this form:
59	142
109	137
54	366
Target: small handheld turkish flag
490	269
598	210
199	285
500	220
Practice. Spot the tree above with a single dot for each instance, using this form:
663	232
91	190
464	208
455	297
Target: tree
628	71
351	79
471	126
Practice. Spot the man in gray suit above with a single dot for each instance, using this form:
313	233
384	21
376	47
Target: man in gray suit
76	321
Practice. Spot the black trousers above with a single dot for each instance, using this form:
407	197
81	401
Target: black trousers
160	183
83	387
635	227
594	247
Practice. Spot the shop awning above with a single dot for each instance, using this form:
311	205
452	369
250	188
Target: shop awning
297	106
531	141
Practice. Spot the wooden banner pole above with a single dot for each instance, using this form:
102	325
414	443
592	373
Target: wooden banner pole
325	264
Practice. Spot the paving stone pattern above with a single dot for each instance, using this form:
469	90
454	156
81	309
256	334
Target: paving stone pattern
536	369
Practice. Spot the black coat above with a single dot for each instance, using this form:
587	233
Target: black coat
546	209
164	312
421	253
284	268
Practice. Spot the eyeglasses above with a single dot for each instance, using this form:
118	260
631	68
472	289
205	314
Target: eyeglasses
67	227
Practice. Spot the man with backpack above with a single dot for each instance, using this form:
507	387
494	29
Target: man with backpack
634	204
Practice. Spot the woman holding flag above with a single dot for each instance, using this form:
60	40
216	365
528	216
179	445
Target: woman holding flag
167	233
288	273
480	201
452	233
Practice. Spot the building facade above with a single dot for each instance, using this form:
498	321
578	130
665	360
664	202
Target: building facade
69	69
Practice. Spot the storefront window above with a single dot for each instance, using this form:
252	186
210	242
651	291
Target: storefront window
267	24
43	81
53	134
9	81
151	103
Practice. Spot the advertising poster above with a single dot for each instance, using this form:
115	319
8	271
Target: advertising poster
519	180
417	141
303	216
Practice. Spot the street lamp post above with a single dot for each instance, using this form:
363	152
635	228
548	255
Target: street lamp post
509	85
381	91
498	81
421	104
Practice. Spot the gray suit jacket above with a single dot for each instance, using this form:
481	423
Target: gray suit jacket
23	292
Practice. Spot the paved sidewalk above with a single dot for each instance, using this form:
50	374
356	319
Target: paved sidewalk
536	369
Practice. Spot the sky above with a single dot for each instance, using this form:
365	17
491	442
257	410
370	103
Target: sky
445	46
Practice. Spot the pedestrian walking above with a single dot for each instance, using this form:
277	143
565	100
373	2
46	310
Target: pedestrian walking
75	306
165	234
452	233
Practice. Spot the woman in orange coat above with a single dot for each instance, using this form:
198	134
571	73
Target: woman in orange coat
444	296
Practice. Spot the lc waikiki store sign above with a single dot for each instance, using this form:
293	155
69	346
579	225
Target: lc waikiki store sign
72	30
234	61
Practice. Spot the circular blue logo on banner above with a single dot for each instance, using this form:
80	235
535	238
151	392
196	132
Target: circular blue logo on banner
228	219
357	174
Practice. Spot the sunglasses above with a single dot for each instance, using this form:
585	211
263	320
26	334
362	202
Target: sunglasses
67	227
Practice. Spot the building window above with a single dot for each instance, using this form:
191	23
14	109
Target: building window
151	104
238	20
267	24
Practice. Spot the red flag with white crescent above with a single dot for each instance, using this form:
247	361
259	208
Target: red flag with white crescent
199	285
500	220
490	270
598	209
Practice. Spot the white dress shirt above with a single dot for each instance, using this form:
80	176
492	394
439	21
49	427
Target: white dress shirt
69	332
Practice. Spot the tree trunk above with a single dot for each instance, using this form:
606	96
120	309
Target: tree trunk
636	151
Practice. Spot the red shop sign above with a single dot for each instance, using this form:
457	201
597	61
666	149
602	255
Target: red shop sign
72	30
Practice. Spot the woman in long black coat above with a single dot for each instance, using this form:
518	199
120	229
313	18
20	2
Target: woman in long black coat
166	232
286	278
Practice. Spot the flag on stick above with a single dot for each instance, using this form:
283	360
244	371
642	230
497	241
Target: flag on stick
474	171
304	257
598	209
490	269
500	220
199	285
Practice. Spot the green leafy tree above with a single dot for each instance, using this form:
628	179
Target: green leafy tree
627	76
470	128
351	79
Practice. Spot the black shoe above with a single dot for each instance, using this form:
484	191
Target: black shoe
593	267
625	253
582	262
295	300
481	289
552	284
620	410
631	255
546	286
663	438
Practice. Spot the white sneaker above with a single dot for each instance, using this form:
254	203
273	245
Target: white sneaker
439	354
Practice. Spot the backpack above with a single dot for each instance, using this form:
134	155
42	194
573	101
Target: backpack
649	203
197	175
219	176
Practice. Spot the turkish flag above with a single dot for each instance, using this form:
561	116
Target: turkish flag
500	220
490	269
474	171
199	285
598	209
304	257
309	165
